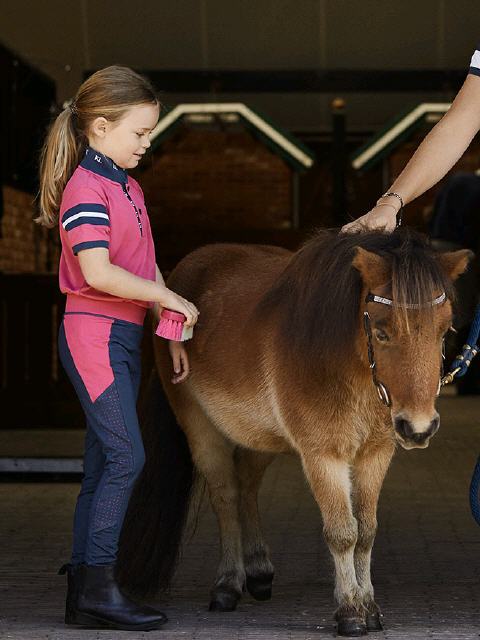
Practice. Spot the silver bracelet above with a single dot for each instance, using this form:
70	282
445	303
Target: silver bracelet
396	195
400	211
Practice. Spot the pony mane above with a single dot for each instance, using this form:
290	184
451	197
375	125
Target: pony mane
317	296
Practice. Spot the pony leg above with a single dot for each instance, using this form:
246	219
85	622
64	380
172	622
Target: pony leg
213	457
251	466
329	479
368	474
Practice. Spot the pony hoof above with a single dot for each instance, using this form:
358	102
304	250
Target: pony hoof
260	586
374	622
224	599
351	627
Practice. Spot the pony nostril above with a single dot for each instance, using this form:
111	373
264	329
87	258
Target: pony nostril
420	438
404	428
434	426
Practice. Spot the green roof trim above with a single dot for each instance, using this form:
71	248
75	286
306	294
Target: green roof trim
284	144
394	132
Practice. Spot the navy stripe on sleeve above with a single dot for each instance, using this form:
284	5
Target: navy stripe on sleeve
86	219
92	208
89	245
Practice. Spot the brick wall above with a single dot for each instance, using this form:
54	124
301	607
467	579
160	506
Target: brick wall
217	179
24	245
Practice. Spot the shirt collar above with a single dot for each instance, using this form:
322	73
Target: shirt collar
103	165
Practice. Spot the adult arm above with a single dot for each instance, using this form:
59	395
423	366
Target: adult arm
439	151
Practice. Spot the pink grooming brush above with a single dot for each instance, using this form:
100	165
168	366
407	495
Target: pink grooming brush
171	326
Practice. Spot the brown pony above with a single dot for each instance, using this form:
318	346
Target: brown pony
279	363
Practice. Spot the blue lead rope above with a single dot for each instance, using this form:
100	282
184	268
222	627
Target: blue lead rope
461	363
458	369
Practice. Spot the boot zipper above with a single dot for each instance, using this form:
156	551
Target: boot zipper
137	211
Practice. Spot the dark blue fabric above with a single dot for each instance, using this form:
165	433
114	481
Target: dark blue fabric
475	493
464	362
455	214
103	165
114	453
89	245
456	219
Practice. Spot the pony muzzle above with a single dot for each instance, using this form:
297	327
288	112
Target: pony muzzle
415	434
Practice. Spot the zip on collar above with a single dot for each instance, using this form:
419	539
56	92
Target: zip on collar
103	165
138	212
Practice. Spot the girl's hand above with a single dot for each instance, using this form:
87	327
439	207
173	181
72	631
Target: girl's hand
382	216
176	303
179	356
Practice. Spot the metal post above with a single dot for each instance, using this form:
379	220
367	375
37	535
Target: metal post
295	201
339	157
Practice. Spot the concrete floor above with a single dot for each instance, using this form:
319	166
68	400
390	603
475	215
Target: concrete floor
425	571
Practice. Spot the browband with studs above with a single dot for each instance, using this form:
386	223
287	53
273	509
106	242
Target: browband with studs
370	297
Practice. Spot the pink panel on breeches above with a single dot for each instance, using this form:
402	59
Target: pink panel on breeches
87	338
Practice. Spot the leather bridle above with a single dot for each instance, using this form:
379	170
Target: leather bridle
382	390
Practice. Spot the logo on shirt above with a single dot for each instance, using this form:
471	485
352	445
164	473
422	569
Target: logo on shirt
108	169
99	160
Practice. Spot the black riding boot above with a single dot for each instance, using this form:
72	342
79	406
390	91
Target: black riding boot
73	578
100	601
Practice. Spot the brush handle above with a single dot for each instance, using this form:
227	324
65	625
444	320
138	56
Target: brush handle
176	316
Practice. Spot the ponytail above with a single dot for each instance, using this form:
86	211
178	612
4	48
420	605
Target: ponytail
59	157
108	93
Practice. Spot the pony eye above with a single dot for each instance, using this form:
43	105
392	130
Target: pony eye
381	336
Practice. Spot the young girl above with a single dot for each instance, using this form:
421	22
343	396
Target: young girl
109	275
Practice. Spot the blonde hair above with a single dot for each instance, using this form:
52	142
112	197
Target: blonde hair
108	93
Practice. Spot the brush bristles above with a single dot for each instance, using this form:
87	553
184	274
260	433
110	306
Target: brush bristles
173	330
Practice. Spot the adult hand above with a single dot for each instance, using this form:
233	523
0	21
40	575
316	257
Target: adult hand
382	216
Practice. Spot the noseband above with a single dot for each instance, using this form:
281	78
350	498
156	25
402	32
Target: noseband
380	387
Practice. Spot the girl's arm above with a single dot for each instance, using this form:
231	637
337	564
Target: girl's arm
157	307
159	276
439	151
102	275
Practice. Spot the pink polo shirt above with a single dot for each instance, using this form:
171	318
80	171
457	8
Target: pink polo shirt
102	206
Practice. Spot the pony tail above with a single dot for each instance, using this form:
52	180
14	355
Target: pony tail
59	157
152	532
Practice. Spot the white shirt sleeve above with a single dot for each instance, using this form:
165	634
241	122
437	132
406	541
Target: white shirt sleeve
475	62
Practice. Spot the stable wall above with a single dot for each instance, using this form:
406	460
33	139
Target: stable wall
24	245
65	38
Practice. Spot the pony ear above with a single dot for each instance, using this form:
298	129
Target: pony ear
454	263
374	269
